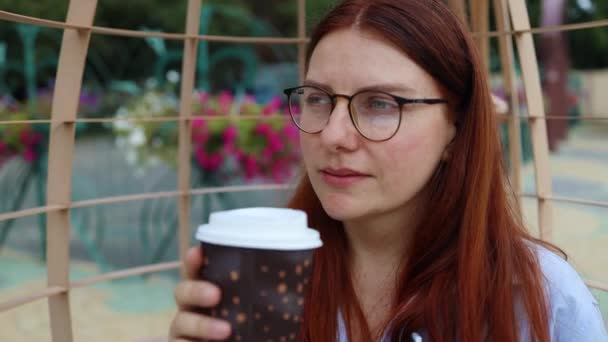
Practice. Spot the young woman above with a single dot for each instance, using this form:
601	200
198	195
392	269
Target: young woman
405	182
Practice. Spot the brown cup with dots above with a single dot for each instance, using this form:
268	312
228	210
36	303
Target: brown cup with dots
261	259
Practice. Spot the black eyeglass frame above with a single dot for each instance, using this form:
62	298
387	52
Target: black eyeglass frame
401	101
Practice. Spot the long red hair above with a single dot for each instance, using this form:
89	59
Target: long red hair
471	259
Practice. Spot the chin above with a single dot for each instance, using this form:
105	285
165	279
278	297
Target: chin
342	216
341	210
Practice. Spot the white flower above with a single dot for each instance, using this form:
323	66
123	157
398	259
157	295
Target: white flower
122	112
123	125
586	5
173	76
151	83
154	105
137	137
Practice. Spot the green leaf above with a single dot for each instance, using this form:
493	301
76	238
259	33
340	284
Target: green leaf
217	126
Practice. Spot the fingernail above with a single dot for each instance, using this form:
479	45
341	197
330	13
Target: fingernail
221	329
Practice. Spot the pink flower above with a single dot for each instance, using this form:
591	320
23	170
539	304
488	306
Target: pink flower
199	123
215	161
24	137
273	106
267	154
263	129
238	154
29	138
230	149
294	109
3	147
225	100
275	143
230	134
209	162
200	155
203	97
200	131
279	171
290	131
29	155
251	167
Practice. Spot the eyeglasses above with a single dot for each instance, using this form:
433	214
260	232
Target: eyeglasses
375	114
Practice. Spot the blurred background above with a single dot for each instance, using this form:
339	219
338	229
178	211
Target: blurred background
133	77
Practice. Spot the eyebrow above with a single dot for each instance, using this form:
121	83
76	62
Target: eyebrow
385	87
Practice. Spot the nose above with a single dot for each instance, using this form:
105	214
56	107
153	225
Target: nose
340	132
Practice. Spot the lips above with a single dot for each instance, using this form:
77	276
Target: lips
343	172
342	177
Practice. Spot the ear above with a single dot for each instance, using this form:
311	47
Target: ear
447	153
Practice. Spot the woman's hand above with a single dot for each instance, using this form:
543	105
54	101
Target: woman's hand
191	295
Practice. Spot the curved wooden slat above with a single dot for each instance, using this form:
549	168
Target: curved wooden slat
30	212
538	128
507	63
131	272
564	199
52	291
597	285
185	129
70	71
31	297
17	18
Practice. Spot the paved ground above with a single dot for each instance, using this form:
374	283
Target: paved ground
136	309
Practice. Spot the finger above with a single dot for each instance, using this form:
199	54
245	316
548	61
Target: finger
197	294
193	261
190	325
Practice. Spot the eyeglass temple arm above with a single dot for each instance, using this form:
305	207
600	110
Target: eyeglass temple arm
425	101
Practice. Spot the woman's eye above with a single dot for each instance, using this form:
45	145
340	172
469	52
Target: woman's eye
381	104
316	100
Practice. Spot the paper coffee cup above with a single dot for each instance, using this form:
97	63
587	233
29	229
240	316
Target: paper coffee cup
261	258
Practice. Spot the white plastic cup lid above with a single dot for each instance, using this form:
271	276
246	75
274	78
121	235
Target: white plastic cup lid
260	228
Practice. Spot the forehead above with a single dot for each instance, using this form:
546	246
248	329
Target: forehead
349	59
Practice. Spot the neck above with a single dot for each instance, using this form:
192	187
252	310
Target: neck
381	241
378	241
378	247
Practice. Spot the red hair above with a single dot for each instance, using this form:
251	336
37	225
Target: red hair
471	258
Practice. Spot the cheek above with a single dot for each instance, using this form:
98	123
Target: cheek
409	146
404	157
411	160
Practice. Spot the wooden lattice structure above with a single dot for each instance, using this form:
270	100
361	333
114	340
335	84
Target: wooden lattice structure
511	19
